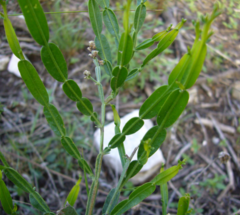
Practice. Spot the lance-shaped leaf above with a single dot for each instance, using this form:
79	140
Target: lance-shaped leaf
139	17
54	120
137	196
145	44
94	117
103	48
131	75
166	175
152	105
116	140
54	62
36	20
11	37
72	90
172	108
85	107
116	117
107	67
108	200
73	194
95	17
129	129
84	166
69	210
37	201
17	179
183	204
120	76
103	3
33	82
164	196
70	147
2	158
111	22
5	198
133	169
156	135
125	49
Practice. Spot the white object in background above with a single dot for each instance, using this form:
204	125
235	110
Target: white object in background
132	141
3	62
13	66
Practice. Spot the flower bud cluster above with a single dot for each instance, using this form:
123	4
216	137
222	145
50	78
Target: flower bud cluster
87	74
92	48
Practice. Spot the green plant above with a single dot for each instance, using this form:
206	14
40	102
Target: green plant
167	102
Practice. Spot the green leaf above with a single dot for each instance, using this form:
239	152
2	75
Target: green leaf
73	194
157	136
70	147
139	17
103	3
145	44
183	204
33	82
36	20
68	211
54	62
12	38
111	22
133	169
84	166
54	120
116	117
2	158
152	105
137	196
5	198
164	195
131	75
95	17
125	49
94	117
85	107
107	68
17	179
166	175
108	200
103	48
172	108
120	76
37	201
129	129
72	90
116	140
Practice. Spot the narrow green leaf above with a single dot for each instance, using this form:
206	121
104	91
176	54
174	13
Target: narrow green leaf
33	82
70	147
183	204
54	62
111	22
37	201
54	120
172	108
5	198
116	140
69	210
125	49
84	166
94	117
85	107
166	175
145	44
72	90
103	3
103	48
108	200
17	179
152	105
157	136
133	74
137	196
116	117
95	17
73	194
12	38
120	76
164	196
107	67
36	20
129	129
139	17
2	158
133	169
